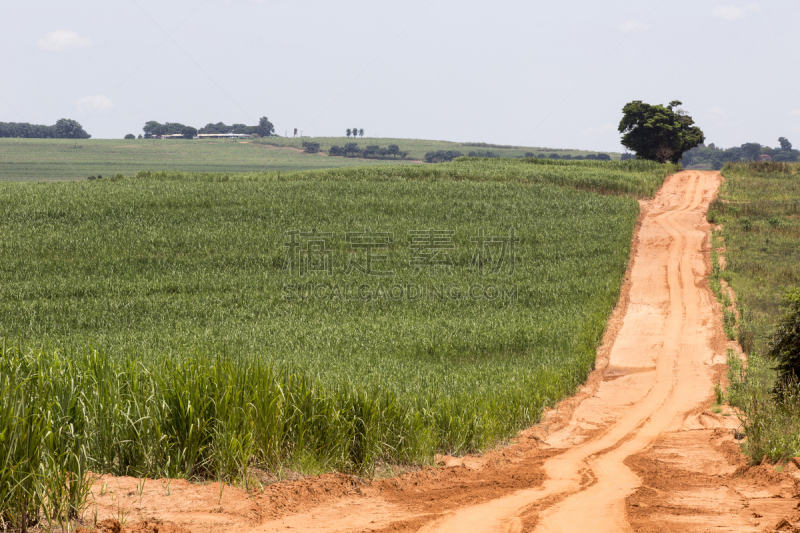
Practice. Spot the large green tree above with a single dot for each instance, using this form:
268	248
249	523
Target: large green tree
659	133
189	132
153	128
265	127
67	128
751	151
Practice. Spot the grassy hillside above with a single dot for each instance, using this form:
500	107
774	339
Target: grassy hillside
154	327
58	159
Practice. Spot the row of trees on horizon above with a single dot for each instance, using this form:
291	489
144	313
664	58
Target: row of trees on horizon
65	128
153	128
636	114
443	156
667	133
717	157
370	152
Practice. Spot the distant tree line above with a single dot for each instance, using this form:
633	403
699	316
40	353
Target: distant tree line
487	145
715	157
590	157
370	152
482	153
443	156
355	132
63	129
263	129
310	147
154	128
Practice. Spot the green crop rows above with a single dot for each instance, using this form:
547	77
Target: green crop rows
634	178
149	332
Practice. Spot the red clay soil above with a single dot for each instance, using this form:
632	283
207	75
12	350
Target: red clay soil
637	449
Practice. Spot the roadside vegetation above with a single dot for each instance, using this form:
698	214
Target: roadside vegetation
759	210
148	330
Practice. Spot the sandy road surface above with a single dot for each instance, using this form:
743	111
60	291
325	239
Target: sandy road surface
660	372
635	450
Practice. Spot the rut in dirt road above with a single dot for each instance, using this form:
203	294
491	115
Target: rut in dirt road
659	373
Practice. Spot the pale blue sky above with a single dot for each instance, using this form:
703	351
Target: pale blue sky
552	74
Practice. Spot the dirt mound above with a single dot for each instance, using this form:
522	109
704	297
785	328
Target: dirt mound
282	498
788	525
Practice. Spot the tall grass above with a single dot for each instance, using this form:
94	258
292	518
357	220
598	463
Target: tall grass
43	456
758	207
770	422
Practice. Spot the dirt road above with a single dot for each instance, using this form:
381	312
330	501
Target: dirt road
660	373
636	450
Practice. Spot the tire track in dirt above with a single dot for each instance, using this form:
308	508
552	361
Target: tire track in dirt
655	357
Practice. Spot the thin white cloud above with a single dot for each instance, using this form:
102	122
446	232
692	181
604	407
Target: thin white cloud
717	111
97	102
631	25
56	41
733	12
794	113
